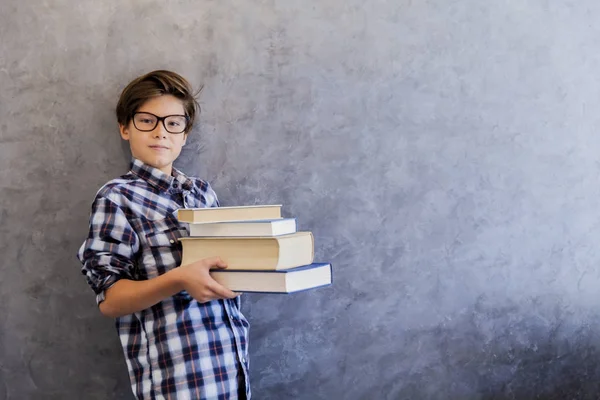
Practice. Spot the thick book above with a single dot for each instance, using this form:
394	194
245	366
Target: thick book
270	227
224	214
286	281
252	253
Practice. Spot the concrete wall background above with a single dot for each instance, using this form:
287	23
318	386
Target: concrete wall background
444	154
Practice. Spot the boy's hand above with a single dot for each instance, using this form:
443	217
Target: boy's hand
196	280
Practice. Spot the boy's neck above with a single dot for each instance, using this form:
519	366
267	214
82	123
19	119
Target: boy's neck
167	170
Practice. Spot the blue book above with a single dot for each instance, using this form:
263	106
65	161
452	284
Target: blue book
283	281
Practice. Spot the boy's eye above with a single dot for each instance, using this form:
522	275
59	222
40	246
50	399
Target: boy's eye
176	122
145	119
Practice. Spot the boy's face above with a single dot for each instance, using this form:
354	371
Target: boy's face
157	148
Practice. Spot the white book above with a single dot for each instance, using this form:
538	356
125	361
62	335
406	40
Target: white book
251	253
269	227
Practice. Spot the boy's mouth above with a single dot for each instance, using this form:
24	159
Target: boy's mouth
157	147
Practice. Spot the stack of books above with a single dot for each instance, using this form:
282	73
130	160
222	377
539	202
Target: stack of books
264	252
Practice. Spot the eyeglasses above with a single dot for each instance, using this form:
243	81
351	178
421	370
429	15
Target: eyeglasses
147	122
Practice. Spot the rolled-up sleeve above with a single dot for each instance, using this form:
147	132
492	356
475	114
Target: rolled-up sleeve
110	249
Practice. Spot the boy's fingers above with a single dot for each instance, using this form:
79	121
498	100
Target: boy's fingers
221	290
216	262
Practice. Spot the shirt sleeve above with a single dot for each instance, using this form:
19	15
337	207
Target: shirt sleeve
211	197
109	251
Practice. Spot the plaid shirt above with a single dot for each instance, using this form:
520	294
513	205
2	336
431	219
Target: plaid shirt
178	348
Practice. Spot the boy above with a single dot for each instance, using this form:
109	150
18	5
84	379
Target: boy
183	335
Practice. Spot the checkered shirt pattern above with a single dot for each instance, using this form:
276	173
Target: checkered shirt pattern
177	349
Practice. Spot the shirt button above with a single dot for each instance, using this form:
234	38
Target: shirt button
175	185
244	360
172	241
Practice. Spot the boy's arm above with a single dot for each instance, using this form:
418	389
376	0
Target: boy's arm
107	256
128	296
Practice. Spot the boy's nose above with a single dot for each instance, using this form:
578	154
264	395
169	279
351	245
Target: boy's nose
160	131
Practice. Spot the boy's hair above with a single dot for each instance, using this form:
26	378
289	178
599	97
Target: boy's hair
154	84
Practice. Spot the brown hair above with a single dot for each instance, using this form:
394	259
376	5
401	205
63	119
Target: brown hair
154	84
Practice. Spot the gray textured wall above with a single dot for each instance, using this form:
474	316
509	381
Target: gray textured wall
444	153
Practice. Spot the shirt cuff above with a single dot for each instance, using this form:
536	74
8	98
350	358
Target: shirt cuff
100	297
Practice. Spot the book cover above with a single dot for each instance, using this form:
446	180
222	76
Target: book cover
292	280
224	214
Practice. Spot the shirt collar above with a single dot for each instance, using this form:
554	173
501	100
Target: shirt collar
155	177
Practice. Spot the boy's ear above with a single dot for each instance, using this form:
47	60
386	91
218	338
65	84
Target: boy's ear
124	131
185	135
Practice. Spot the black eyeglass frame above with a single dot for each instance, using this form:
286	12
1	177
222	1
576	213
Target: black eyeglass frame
160	119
